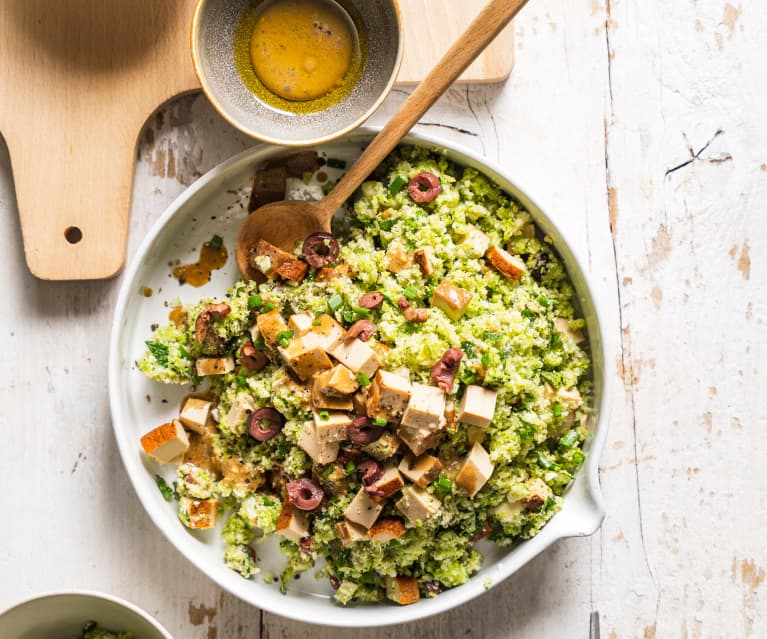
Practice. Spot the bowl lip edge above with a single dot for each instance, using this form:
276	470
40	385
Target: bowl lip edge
93	594
593	494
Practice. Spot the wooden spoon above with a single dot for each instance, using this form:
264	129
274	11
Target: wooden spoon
283	223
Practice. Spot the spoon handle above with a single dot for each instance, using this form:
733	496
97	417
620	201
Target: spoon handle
479	34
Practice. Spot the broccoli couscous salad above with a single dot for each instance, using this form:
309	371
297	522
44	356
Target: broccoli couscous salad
383	396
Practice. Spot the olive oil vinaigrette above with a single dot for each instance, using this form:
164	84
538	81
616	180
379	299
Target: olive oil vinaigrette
300	56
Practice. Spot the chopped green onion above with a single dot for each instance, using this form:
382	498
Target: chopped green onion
335	302
468	348
241	381
254	301
468	377
259	344
544	301
317	322
556	340
324	415
363	379
368	578
410	293
284	337
528	315
269	307
334	163
387	225
184	353
491	336
557	409
268	502
327	471
380	421
167	492
350	467
577	456
485	359
543	461
396	186
362	312
568	440
443	483
217	242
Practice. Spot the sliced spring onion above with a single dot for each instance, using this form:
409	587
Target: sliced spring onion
254	301
216	242
363	379
396	186
335	302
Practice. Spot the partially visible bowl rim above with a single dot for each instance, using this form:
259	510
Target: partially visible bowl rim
593	498
96	595
196	57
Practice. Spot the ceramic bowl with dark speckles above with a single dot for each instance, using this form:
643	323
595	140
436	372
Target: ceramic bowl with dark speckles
221	40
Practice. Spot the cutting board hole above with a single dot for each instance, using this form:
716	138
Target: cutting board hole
73	234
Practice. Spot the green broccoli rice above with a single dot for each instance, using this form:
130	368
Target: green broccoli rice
465	276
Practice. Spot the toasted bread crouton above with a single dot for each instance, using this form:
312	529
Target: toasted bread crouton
386	529
424	257
403	590
270	325
274	262
452	300
508	265
198	513
166	442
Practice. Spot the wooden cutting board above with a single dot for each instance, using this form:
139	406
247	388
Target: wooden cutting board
78	81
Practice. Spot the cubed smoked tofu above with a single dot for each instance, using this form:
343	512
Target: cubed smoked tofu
424	257
570	396
322	452
241	407
349	532
403	590
330	402
381	349
562	326
384	447
270	325
419	440
389	483
388	396
386	529
537	493
332	429
301	323
417	504
426	408
508	265
356	356
166	442
194	414
362	510
476	241
305	359
341	382
420	470
214	365
452	300
475	470
326	332
293	523
278	263
397	258
198	513
477	406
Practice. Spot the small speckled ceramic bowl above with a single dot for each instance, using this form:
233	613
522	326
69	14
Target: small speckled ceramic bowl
62	614
214	26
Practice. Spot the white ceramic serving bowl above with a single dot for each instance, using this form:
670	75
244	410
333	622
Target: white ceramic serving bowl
61	615
187	223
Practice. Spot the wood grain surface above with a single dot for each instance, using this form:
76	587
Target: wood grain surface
639	125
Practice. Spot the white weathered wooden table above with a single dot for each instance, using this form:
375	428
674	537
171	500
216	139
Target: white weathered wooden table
641	125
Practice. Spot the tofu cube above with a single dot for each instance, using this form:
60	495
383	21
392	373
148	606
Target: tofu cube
330	402
476	241
301	323
475	470
362	510
420	470
214	365
419	440
198	513
384	447
397	258
194	414
349	532
425	408
293	523
452	300
386	529
326	333
356	356
241	407
389	483
562	326
417	504
402	590
305	359
166	442
322	452
332	429
388	396
341	382
270	325
508	265
477	406
424	257
274	262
